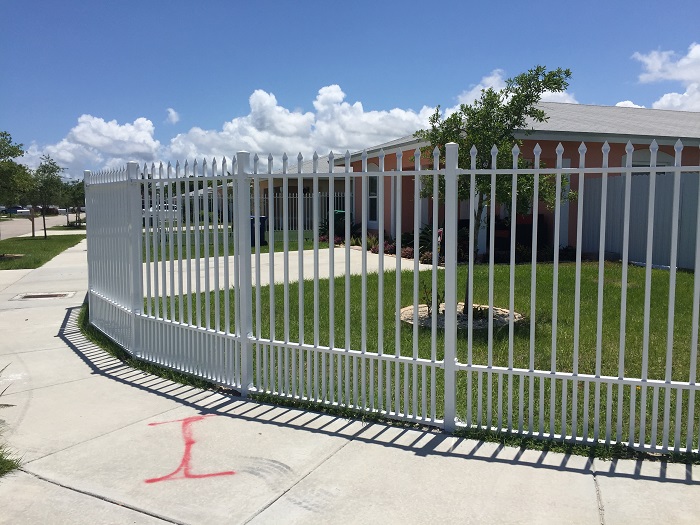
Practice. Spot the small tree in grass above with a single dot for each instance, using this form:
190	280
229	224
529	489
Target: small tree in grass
73	196
48	186
492	120
15	178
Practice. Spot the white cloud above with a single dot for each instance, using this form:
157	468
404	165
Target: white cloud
628	104
173	116
493	80
116	139
687	101
95	144
563	96
496	80
271	128
660	65
666	66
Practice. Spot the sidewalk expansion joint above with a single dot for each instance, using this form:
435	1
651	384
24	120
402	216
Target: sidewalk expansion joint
52	385
297	482
103	498
151	416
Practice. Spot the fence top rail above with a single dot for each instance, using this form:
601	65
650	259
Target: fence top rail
225	169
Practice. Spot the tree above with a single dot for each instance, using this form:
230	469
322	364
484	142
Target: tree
15	182
492	120
74	197
15	179
8	150
47	186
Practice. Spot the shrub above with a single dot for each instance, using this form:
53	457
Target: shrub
339	225
567	253
428	297
425	239
427	258
372	241
407	252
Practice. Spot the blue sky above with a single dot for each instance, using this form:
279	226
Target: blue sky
95	84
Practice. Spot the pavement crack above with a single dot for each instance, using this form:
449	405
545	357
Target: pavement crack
103	498
599	497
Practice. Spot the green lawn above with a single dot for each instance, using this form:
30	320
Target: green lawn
35	251
470	391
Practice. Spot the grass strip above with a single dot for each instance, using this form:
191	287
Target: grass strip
8	461
24	253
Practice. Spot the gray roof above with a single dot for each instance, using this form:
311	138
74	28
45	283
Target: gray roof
624	122
307	166
584	122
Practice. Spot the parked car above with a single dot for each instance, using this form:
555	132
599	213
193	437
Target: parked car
17	210
48	210
162	211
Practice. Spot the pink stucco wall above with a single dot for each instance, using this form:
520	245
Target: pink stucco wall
593	158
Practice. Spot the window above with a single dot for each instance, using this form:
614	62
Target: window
372	204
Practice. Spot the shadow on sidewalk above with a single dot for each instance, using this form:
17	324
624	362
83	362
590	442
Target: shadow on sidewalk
420	442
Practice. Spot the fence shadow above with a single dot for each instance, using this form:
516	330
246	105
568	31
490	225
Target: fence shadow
419	441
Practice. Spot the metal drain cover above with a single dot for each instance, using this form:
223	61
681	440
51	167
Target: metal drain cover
43	295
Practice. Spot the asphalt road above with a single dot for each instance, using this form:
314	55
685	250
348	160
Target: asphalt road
22	225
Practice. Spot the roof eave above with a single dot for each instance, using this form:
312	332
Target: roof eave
612	138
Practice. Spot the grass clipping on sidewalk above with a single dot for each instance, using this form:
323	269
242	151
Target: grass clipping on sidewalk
8	462
27	253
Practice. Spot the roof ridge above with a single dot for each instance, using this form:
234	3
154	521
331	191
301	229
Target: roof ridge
617	107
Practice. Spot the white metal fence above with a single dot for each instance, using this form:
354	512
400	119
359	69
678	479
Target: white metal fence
306	201
607	351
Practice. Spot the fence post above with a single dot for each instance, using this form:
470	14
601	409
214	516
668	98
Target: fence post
135	233
451	151
86	183
243	262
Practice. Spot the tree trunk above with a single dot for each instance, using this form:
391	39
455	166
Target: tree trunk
31	218
43	216
478	211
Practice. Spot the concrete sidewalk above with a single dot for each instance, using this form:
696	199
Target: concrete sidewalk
102	443
169	273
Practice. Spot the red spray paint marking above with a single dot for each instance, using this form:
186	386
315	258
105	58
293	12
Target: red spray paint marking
183	470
